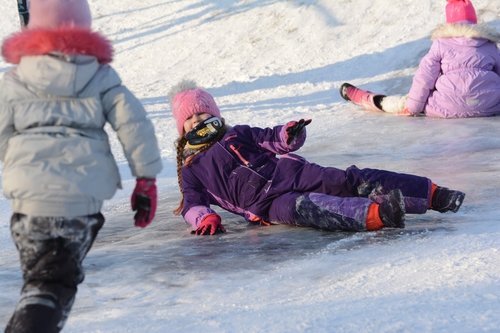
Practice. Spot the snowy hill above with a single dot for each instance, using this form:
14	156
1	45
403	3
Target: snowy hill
268	62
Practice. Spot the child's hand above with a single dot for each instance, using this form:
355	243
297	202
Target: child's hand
294	128
210	225
405	112
143	201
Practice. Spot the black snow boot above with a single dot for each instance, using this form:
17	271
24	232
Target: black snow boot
35	318
392	210
445	200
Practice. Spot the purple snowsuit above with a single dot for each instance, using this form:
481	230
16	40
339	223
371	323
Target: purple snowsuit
460	75
241	173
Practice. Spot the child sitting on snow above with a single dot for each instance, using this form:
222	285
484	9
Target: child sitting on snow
458	78
236	168
57	164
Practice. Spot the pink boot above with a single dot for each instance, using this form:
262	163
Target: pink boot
363	98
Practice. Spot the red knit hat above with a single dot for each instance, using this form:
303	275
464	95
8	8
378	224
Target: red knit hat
460	11
53	14
187	100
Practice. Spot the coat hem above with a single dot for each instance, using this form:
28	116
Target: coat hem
66	209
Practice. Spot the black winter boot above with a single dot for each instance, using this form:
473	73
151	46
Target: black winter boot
445	200
392	210
35	318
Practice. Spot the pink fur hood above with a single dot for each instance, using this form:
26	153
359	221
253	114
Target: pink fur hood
70	41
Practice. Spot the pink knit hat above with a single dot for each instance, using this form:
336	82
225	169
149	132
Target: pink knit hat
458	11
189	100
53	14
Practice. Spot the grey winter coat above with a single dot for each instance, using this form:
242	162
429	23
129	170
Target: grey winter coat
56	155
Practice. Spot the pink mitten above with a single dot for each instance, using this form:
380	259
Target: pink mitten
143	200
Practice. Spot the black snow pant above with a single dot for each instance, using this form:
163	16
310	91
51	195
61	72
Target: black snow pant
51	252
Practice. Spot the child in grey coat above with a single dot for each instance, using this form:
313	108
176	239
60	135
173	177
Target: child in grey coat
57	162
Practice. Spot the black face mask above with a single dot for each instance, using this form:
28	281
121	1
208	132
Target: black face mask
206	131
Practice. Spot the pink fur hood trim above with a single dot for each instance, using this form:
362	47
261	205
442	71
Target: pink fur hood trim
66	40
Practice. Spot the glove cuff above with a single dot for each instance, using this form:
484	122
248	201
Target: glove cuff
144	179
146	183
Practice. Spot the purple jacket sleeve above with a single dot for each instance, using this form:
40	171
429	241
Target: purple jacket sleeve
196	201
497	62
274	140
424	80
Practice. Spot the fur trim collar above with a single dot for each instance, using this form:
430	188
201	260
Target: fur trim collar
70	41
465	30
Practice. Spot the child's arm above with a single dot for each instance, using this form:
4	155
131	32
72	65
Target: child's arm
424	80
196	201
6	126
6	132
127	117
497	62
135	131
282	139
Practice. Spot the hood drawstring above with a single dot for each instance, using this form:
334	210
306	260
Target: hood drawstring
238	154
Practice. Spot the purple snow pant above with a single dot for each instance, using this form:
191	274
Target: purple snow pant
333	199
51	250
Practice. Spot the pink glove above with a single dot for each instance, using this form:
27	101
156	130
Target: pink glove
405	112
210	225
143	201
294	128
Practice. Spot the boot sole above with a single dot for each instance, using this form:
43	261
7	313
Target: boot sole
342	90
398	197
458	200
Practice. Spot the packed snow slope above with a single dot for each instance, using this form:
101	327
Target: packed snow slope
268	62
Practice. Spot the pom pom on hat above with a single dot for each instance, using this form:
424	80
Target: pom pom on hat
460	11
186	99
53	14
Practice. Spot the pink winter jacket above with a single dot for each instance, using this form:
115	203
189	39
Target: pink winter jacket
460	75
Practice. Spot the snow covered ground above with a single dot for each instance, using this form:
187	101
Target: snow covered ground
268	62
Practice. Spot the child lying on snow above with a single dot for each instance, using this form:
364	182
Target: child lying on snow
236	168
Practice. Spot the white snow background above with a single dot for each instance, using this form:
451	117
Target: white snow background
268	62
